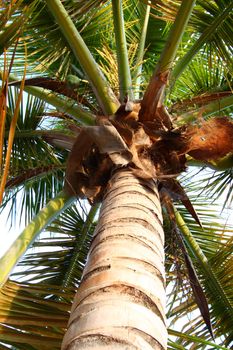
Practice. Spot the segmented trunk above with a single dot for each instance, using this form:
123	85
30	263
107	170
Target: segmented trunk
121	300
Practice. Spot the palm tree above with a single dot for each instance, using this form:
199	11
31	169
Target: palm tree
122	98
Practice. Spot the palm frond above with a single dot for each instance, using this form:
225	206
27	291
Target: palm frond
215	289
214	237
204	14
102	90
13	17
44	293
22	243
207	74
30	151
56	58
30	318
61	250
205	37
195	340
216	185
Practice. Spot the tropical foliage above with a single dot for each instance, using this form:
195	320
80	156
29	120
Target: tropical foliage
68	65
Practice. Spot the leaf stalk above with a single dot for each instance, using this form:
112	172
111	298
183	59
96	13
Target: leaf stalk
104	94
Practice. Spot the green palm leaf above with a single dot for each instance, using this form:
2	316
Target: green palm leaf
36	311
30	152
24	310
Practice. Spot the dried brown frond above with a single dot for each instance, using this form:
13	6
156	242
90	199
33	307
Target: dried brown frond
200	100
210	140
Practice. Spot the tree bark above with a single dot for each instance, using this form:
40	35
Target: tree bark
120	303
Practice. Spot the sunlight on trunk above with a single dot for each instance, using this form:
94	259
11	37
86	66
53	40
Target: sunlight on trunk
121	299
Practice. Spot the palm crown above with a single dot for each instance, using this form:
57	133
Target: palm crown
115	84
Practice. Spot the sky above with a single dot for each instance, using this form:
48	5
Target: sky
7	234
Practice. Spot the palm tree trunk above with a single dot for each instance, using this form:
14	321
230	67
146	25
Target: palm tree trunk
121	299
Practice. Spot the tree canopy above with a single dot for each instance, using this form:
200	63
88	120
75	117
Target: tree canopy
64	65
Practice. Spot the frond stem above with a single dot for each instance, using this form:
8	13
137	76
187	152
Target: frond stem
194	339
154	95
205	36
141	49
62	104
166	60
104	94
203	261
206	110
124	74
45	216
